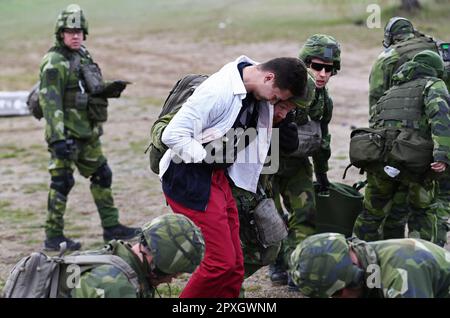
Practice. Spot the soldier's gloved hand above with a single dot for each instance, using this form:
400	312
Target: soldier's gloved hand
324	185
288	134
60	149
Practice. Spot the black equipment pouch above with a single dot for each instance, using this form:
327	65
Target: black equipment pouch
92	78
81	101
98	109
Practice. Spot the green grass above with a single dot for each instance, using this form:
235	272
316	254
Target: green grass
16	216
35	187
11	151
165	291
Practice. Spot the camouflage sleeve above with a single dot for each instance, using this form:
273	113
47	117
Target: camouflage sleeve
437	103
320	159
380	78
104	281
53	76
157	130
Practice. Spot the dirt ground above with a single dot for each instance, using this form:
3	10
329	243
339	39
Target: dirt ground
153	64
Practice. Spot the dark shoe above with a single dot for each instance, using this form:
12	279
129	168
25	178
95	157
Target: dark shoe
291	285
278	276
120	232
53	244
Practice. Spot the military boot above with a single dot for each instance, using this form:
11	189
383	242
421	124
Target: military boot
277	274
120	232
291	285
53	244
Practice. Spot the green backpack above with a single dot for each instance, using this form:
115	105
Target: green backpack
41	276
178	95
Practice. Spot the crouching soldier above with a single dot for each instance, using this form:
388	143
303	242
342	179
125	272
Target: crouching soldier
328	265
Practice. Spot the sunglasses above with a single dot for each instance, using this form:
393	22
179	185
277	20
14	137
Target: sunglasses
319	66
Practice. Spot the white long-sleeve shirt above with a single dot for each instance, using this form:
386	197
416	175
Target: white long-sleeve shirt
208	115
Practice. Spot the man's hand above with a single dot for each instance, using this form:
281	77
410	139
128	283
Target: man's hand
438	166
114	89
288	134
324	185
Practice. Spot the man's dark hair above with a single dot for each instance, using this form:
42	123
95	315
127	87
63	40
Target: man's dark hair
290	73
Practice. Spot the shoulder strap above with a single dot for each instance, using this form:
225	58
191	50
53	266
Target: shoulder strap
113	260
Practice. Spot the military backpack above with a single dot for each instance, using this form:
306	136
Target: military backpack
41	276
178	95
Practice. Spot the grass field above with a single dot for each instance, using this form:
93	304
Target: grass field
151	42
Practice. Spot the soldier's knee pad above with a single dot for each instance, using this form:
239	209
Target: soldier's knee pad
103	176
62	183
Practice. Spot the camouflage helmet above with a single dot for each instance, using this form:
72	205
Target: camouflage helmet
71	17
431	59
175	242
321	265
396	26
324	47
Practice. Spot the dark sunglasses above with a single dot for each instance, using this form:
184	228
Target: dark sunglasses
319	66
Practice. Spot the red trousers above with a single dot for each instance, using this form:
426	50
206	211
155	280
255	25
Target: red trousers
221	271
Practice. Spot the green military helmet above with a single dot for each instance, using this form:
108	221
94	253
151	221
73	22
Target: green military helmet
396	26
324	47
431	59
321	265
175	242
71	17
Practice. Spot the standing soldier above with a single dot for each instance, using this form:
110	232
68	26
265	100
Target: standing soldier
401	43
328	265
294	179
73	97
414	113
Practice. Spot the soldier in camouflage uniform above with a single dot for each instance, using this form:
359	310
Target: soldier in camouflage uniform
294	179
169	245
255	254
327	265
417	103
74	111
401	43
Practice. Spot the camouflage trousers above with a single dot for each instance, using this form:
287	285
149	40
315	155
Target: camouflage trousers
394	224
294	184
413	199
88	158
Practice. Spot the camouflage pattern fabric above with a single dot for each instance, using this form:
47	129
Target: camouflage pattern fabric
255	254
87	157
380	191
294	179
175	242
404	268
107	281
68	118
324	47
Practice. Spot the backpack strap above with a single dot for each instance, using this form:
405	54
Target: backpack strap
113	260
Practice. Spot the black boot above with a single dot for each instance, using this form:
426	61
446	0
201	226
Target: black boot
120	232
277	274
53	244
291	285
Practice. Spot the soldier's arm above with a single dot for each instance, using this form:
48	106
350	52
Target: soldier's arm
320	159
437	107
104	282
53	77
157	131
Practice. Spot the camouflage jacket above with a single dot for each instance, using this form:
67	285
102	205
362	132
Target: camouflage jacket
107	281
388	62
436	107
57	78
409	268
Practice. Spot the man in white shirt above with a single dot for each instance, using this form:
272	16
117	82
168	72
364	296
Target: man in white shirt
195	170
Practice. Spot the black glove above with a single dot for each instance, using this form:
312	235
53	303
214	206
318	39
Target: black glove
61	149
324	185
288	134
114	89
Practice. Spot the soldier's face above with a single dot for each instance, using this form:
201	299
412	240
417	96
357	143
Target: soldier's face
321	70
280	110
267	91
73	38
